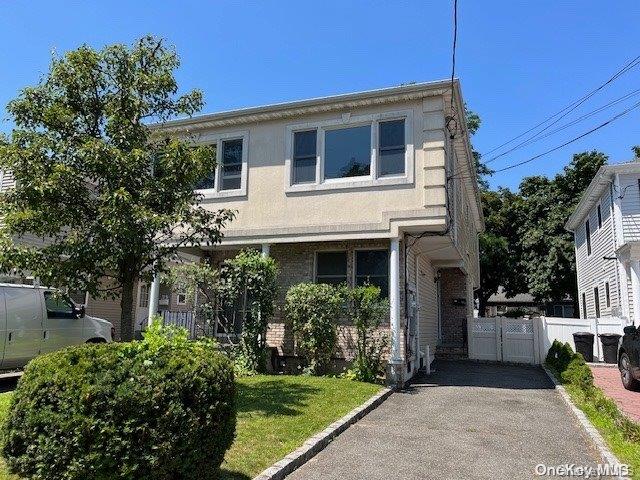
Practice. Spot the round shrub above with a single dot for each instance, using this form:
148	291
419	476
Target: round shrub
162	408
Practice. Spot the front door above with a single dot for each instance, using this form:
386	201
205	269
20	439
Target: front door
24	326
63	326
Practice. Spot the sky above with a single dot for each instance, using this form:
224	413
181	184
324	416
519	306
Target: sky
519	61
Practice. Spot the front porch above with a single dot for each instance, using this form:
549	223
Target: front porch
428	285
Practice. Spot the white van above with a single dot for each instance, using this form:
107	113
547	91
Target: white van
35	320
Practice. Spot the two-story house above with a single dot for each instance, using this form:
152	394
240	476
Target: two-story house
372	187
606	226
377	187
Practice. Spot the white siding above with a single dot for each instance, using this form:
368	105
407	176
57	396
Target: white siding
593	270
630	207
428	307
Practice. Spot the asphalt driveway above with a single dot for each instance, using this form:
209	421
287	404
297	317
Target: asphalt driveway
467	420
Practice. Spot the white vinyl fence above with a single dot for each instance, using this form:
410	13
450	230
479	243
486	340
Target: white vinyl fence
562	329
527	340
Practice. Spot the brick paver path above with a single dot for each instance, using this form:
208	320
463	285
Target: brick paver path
608	379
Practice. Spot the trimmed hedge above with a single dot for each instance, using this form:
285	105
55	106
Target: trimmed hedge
163	408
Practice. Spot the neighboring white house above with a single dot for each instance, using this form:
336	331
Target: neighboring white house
606	226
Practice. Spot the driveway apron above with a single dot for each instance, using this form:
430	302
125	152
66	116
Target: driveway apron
466	420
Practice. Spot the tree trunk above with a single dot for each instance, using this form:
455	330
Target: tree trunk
126	310
482	304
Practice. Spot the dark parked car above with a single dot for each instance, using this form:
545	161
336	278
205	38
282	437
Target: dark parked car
629	358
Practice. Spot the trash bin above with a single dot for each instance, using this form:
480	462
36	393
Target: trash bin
584	344
610	343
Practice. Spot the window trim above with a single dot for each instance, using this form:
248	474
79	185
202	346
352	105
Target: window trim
347	121
178	302
330	250
218	139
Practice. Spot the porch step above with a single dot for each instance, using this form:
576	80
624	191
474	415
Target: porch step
451	352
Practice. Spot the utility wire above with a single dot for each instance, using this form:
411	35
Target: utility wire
569	108
538	135
589	132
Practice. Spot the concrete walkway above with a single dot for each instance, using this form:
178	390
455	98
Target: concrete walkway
467	420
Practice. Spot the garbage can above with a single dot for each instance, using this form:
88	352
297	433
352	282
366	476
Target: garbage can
610	343
584	344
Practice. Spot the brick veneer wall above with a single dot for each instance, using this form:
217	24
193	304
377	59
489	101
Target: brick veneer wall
296	262
455	298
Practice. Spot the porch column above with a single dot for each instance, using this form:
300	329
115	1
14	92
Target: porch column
635	288
394	302
265	249
154	297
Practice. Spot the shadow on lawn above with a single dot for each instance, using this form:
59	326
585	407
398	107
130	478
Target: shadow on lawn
274	397
232	475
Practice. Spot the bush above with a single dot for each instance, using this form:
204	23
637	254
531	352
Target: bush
559	356
366	312
162	408
313	310
578	373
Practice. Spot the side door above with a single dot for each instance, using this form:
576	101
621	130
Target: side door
63	325
24	326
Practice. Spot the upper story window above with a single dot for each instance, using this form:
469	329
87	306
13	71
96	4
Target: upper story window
587	230
304	156
391	150
599	217
229	177
354	151
347	152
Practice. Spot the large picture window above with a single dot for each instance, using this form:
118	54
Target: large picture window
372	268
347	152
331	267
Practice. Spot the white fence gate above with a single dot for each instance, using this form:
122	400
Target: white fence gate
503	339
527	340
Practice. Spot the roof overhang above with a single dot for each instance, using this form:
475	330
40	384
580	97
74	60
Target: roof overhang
600	183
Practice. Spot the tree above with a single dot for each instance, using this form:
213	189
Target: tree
482	170
500	251
548	254
113	198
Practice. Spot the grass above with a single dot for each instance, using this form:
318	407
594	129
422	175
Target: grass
276	414
626	450
605	415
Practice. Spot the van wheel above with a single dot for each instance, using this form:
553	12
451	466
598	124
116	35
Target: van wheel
96	340
628	381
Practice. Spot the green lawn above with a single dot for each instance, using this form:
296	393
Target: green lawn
627	451
276	414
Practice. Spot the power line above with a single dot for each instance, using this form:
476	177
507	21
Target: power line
538	135
452	108
589	132
569	108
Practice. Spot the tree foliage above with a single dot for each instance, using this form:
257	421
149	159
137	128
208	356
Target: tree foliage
245	285
113	200
548	251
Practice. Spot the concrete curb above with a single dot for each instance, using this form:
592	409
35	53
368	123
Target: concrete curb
318	442
591	431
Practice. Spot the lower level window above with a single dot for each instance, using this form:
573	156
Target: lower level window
331	267
372	268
